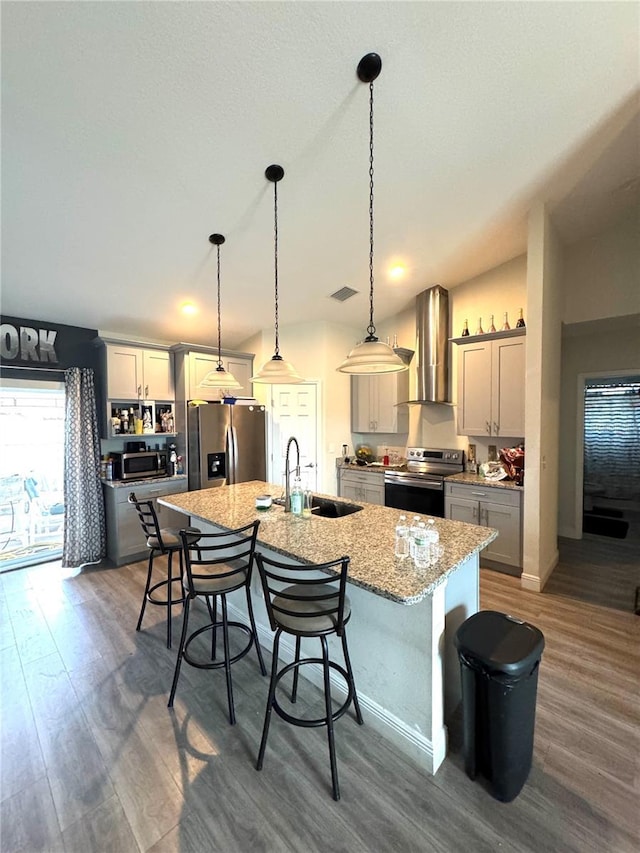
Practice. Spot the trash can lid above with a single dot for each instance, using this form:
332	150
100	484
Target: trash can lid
499	642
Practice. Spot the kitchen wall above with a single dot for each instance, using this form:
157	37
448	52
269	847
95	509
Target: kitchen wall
587	352
315	349
602	272
501	289
602	335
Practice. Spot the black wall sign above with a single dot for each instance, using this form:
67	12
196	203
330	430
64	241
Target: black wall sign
40	345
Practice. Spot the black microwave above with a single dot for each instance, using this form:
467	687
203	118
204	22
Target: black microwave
136	466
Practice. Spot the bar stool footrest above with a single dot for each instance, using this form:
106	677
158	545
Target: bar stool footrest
320	721
164	601
213	664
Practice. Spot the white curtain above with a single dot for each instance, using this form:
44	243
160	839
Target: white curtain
84	527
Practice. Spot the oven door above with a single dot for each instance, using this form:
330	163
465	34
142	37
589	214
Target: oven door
413	494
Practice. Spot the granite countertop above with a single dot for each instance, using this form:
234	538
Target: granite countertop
477	480
145	481
367	537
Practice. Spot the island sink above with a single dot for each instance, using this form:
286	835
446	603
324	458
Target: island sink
326	508
332	509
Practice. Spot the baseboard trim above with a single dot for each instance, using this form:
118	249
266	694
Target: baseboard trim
427	754
535	583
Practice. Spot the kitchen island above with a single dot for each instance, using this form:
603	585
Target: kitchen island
403	619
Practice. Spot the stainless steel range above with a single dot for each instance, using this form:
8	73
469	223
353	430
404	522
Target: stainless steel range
420	489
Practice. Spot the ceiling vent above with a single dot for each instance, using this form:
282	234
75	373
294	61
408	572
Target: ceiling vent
343	294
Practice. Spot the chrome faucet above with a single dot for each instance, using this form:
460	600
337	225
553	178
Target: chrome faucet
287	472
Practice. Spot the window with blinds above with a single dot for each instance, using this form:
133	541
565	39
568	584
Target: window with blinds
612	438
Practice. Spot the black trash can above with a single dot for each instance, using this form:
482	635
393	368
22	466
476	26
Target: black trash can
499	660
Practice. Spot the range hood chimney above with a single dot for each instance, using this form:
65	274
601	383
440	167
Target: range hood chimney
432	338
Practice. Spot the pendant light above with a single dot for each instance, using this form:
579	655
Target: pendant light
276	371
372	355
219	378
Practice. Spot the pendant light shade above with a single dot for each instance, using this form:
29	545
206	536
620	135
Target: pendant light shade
372	355
219	378
276	371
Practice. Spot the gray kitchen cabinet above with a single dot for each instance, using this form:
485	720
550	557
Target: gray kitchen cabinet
138	373
193	365
374	403
491	381
490	507
361	486
125	539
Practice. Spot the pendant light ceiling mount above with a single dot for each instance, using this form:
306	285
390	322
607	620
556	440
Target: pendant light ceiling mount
219	378
371	356
276	371
369	68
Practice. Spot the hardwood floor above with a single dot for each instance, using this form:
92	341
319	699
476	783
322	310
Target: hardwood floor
600	569
92	759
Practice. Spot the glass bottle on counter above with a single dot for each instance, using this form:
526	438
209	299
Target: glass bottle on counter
401	548
479	330
412	535
422	547
296	497
465	329
434	539
492	326
520	322
505	325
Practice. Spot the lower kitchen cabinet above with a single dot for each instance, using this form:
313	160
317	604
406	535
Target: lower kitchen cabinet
125	540
361	486
490	507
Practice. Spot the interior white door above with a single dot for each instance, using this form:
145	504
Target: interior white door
294	411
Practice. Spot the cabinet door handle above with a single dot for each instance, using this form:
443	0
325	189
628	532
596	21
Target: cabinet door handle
146	391
496	428
479	494
488	427
139	391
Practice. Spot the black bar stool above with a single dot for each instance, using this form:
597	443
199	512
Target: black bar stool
215	565
310	605
160	541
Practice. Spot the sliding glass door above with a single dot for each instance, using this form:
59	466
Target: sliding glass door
31	472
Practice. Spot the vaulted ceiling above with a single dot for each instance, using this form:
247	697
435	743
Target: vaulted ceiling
133	130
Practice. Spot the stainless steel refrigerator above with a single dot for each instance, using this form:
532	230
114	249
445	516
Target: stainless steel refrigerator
227	443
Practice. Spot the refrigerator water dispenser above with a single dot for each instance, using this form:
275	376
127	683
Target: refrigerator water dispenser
217	465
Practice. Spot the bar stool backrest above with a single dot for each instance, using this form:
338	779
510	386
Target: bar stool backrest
232	549
149	521
279	579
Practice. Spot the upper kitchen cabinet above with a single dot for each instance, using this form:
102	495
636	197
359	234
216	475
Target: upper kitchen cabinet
137	373
374	403
193	365
134	373
491	382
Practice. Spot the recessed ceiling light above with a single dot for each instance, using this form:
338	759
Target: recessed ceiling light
189	308
397	271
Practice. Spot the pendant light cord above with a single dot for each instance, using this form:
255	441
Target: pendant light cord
371	329
220	367
275	262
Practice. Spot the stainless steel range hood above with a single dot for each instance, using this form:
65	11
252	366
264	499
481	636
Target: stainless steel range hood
432	340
